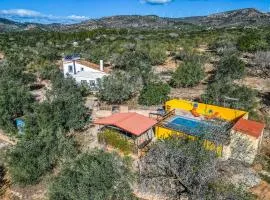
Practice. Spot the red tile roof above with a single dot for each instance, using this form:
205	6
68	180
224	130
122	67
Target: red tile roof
133	123
249	127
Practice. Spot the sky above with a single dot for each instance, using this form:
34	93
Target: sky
72	11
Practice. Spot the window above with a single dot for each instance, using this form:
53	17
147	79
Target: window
82	69
70	69
84	82
92	83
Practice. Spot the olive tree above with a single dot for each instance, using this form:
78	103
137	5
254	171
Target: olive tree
95	175
188	74
119	87
154	94
179	167
230	68
33	157
218	92
262	64
174	166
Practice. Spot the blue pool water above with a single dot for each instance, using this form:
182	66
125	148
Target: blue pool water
186	122
190	126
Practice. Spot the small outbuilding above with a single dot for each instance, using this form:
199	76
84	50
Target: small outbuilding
246	138
132	125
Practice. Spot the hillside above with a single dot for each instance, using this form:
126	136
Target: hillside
8	25
132	21
235	18
155	59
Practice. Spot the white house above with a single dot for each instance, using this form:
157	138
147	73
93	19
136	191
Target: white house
82	71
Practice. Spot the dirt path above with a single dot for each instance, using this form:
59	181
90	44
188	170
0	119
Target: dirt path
1	55
5	138
262	85
188	93
262	191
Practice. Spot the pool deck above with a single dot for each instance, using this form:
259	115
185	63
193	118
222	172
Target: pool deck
187	114
219	127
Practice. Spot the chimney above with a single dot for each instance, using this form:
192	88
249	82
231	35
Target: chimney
101	65
74	66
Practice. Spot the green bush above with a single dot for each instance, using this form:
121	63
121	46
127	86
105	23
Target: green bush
230	67
251	42
118	87
188	74
220	190
155	51
217	92
131	59
15	96
96	176
48	71
224	44
32	158
154	94
3	181
117	140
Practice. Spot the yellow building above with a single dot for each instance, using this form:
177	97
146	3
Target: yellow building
215	124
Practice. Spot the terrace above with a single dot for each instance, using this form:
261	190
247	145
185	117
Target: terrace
184	122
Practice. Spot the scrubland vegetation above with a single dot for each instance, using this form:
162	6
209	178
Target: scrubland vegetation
133	55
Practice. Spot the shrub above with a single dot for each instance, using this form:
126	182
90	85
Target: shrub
96	175
188	74
154	94
230	67
32	158
217	92
220	190
224	44
157	55
262	64
187	55
48	71
118	87
184	164
115	139
251	42
3	180
131	59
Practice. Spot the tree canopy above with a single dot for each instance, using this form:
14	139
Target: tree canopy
219	92
230	68
188	74
96	175
154	94
119	87
45	141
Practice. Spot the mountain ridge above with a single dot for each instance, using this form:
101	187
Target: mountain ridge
235	18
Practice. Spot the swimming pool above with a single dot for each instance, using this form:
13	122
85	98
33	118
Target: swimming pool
190	126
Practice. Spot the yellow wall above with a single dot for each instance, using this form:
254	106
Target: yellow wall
224	113
163	133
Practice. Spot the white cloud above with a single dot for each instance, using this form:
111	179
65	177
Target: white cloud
24	15
20	12
156	1
77	17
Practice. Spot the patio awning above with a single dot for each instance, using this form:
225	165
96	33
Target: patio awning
133	123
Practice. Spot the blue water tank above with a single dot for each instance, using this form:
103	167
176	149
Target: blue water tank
20	124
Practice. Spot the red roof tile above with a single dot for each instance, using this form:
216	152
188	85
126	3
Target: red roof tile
133	123
249	127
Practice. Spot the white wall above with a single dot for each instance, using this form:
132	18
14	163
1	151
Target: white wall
79	68
243	147
83	73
